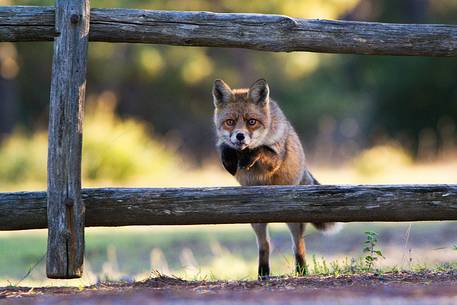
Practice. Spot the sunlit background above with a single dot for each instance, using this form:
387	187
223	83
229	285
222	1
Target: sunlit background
148	123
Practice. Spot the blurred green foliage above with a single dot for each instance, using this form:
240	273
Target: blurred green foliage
381	158
115	150
339	104
119	149
23	158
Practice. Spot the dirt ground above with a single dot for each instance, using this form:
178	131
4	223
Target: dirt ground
394	288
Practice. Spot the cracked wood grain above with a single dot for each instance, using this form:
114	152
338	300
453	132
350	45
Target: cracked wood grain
64	205
262	32
186	206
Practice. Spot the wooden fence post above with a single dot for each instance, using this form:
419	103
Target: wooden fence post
65	208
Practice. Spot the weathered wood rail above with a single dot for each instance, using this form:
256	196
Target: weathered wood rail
71	24
68	87
263	32
186	206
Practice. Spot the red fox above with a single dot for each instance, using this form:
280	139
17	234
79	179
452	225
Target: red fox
258	145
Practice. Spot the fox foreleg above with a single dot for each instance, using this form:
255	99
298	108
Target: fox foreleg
263	157
229	158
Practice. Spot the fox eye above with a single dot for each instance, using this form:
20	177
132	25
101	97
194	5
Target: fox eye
230	122
252	122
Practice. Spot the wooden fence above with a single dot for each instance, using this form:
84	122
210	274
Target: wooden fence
71	24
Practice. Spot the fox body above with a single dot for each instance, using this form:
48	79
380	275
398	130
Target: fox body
259	146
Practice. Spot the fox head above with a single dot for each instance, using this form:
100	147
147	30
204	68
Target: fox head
242	116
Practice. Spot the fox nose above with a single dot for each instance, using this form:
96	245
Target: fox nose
240	136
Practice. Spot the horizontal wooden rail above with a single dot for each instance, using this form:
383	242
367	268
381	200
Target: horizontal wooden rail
185	206
251	31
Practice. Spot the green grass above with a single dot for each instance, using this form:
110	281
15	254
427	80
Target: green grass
21	250
228	252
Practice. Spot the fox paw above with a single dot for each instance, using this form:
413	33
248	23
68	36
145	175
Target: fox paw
247	166
264	272
248	160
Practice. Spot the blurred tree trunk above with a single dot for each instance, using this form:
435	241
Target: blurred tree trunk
407	11
416	10
8	105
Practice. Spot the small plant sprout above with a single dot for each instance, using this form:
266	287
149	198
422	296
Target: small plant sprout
372	254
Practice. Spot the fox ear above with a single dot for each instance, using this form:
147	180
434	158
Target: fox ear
222	93
260	92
